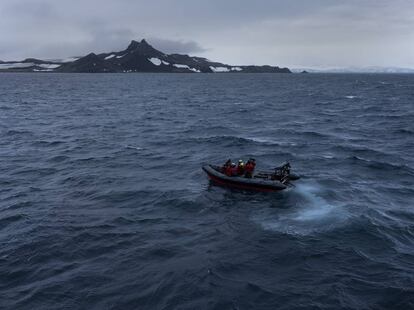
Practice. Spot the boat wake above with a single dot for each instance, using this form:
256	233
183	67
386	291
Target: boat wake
302	212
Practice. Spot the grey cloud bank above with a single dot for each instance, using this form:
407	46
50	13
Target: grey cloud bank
288	33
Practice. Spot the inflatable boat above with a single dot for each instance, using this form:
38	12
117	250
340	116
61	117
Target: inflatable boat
261	181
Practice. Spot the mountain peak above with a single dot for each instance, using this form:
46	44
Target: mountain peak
143	48
133	45
138	45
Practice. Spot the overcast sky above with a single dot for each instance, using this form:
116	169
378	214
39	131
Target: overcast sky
294	33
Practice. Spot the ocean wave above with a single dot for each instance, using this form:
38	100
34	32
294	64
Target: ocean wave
18	205
17	132
358	150
381	165
240	140
328	156
138	148
404	131
314	134
269	141
224	140
59	158
44	143
35	171
10	219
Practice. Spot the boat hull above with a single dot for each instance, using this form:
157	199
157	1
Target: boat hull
252	184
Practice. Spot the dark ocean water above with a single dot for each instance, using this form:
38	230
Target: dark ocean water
103	203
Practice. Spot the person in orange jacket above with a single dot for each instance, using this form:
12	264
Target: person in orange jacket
229	171
249	168
226	165
234	170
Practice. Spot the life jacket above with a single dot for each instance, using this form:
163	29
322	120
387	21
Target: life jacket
249	167
234	171
228	171
240	169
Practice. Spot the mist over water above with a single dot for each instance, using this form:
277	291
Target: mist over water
103	203
305	213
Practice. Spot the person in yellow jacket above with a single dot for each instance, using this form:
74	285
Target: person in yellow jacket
240	168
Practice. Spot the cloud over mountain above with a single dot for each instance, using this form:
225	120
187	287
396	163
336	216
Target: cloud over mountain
297	32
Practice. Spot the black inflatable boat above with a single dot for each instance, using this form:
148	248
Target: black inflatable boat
261	181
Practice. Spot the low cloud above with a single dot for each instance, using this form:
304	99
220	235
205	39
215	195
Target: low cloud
279	32
176	46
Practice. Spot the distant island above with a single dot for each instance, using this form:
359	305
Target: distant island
138	57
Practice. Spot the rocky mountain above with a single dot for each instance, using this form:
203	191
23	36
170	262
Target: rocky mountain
137	57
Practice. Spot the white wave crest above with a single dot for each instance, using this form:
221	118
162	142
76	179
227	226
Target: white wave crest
134	147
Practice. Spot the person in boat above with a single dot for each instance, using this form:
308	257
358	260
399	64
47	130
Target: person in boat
249	168
234	170
226	165
282	172
285	173
240	168
286	168
228	169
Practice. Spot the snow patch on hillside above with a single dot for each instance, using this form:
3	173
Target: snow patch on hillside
186	67
219	69
236	69
181	66
155	61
